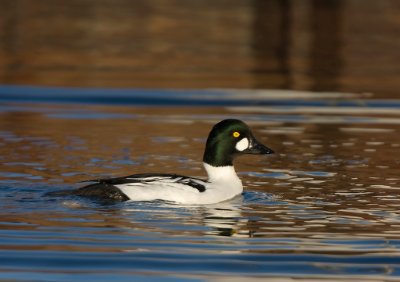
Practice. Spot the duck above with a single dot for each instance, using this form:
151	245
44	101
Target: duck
227	140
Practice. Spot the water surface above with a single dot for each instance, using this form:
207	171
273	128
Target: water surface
325	206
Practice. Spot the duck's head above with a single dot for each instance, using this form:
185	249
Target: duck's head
228	139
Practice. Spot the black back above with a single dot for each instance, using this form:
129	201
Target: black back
149	178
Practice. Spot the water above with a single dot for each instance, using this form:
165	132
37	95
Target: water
308	45
325	206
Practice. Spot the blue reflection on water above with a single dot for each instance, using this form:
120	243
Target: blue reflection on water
164	239
216	97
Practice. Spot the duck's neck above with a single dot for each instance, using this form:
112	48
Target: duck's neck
221	173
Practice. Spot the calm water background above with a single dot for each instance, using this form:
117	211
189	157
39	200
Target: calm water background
329	45
326	206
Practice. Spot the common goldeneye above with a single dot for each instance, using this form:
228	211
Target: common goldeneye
227	140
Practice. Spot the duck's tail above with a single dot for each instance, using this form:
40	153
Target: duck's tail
96	191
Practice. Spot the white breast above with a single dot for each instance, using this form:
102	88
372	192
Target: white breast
223	184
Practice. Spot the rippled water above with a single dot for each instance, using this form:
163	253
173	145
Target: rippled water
325	206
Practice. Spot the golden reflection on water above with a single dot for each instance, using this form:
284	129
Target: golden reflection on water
325	180
304	45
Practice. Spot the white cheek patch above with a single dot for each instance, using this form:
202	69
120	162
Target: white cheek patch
242	144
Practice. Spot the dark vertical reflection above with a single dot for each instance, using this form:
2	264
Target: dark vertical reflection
10	41
271	41
326	60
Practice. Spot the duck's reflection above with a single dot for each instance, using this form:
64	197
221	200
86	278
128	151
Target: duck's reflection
225	218
220	219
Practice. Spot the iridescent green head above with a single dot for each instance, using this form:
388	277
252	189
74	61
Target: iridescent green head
228	139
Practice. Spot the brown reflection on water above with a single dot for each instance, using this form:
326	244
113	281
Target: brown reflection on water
346	198
326	25
333	45
325	179
68	146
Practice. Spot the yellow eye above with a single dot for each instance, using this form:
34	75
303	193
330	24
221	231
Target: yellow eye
236	134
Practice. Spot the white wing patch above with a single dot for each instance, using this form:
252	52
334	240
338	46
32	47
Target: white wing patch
242	144
168	188
171	181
